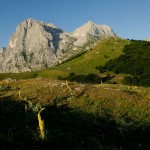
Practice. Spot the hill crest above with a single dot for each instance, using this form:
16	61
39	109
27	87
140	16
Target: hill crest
37	45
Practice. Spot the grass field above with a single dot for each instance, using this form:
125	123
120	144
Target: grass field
38	111
83	116
105	50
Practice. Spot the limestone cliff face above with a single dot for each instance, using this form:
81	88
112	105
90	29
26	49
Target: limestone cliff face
37	45
92	31
147	39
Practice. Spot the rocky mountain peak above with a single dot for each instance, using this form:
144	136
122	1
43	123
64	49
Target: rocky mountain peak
92	30
90	22
27	24
147	39
37	45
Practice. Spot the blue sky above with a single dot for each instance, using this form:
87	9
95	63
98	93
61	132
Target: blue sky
128	18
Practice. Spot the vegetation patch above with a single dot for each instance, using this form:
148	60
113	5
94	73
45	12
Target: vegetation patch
106	49
134	61
38	111
54	114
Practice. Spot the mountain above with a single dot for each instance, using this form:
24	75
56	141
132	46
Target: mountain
147	39
36	45
93	31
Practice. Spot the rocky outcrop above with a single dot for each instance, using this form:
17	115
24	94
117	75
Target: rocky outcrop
36	45
91	31
147	39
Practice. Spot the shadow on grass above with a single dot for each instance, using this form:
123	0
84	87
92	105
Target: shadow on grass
90	78
72	129
66	129
17	126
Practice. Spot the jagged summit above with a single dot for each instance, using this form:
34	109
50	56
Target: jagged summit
147	39
28	23
29	20
90	22
92	30
37	45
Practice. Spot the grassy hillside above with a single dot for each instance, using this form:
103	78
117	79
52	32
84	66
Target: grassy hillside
47	113
106	49
76	116
18	76
134	61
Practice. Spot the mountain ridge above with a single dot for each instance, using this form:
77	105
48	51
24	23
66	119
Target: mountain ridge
37	45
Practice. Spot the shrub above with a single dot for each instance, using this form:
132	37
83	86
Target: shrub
5	88
90	78
135	62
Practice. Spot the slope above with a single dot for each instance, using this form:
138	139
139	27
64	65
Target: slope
105	50
37	45
89	117
134	62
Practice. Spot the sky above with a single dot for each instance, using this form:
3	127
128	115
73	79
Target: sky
128	18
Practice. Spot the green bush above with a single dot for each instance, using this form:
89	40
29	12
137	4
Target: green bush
90	78
135	61
5	88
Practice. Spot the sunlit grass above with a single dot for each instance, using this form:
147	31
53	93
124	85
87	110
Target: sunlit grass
86	63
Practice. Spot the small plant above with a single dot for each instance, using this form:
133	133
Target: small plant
106	56
5	88
72	93
41	125
36	111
